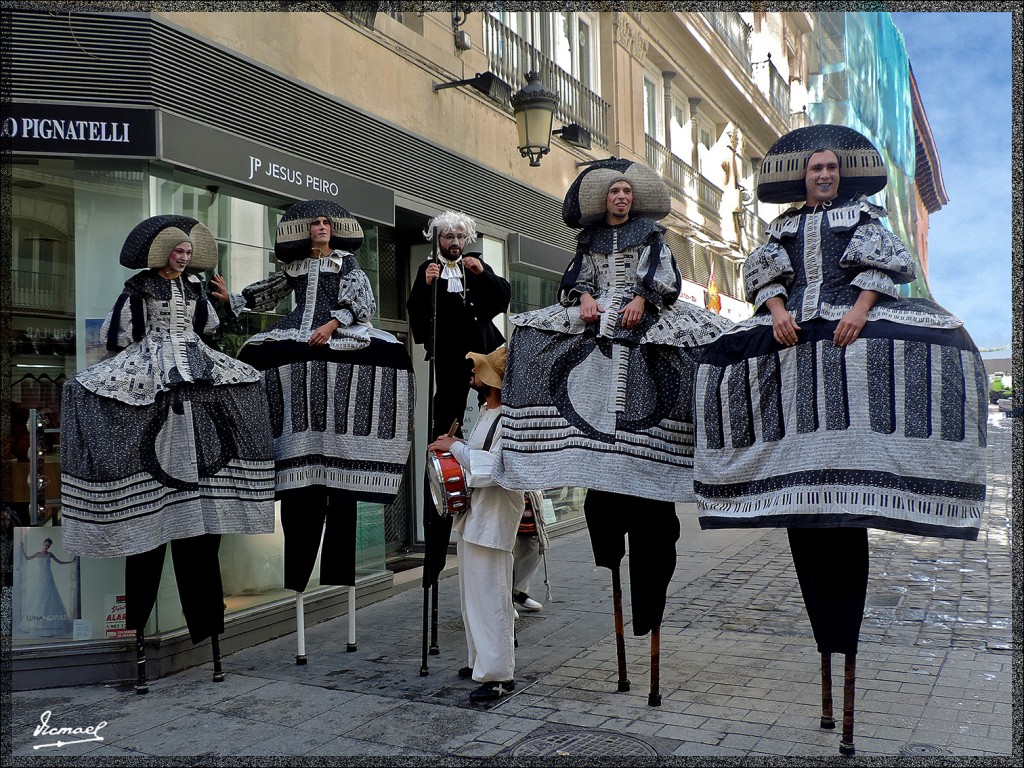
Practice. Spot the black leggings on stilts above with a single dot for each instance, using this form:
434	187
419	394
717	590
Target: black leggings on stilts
197	573
653	530
306	515
832	567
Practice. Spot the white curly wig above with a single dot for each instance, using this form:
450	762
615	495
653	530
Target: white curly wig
449	221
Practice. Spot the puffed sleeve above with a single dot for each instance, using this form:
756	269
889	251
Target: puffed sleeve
580	277
125	323
355	298
265	295
767	272
657	276
883	258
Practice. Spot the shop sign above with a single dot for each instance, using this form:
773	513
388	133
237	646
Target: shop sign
215	153
71	129
116	624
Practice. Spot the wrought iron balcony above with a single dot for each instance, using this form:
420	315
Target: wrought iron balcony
683	181
41	291
510	57
734	31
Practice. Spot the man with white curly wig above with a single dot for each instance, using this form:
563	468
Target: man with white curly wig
454	300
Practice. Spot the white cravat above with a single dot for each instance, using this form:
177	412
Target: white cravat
453	274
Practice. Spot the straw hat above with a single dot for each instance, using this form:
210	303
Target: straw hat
490	368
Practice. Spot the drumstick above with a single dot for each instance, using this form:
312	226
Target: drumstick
452	429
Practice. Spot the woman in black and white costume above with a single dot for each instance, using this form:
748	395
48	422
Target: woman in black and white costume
842	404
168	441
340	392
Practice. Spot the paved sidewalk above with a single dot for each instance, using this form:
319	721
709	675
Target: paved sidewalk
739	668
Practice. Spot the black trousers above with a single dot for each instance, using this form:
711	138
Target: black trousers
197	573
832	567
306	515
653	530
451	378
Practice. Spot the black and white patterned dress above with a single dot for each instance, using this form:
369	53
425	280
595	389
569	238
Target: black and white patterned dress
888	432
169	438
341	414
598	406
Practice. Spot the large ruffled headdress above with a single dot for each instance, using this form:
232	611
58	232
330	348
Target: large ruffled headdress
150	243
784	168
293	243
586	201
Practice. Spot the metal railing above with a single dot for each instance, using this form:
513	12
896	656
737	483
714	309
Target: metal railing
752	228
734	31
683	181
510	57
38	290
778	92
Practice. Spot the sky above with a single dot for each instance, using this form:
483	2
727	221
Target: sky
962	65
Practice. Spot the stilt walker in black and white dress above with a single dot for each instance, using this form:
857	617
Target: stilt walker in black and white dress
340	393
168	441
842	404
598	392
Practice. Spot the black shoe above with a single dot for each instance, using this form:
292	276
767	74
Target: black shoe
466	672
493	691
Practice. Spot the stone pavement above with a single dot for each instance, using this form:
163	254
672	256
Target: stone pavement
739	668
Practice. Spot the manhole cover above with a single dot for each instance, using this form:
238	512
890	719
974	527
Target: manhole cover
922	750
583	744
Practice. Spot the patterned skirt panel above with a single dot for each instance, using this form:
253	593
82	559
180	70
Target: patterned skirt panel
198	460
584	411
338	419
889	432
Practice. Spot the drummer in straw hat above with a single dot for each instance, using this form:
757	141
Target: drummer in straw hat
487	534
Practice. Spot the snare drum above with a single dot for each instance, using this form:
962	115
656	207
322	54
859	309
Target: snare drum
447	483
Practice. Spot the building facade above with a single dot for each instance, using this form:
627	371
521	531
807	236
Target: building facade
230	117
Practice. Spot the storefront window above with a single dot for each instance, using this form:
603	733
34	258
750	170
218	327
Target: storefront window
69	219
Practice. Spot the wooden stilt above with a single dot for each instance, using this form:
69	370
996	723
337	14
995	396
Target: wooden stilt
141	683
300	630
849	680
351	646
620	632
218	671
654	697
827	720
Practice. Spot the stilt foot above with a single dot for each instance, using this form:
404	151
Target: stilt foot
846	749
424	671
300	660
141	689
654	700
218	677
623	686
828	722
350	647
434	650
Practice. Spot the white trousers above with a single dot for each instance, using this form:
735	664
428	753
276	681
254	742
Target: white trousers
526	555
485	586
